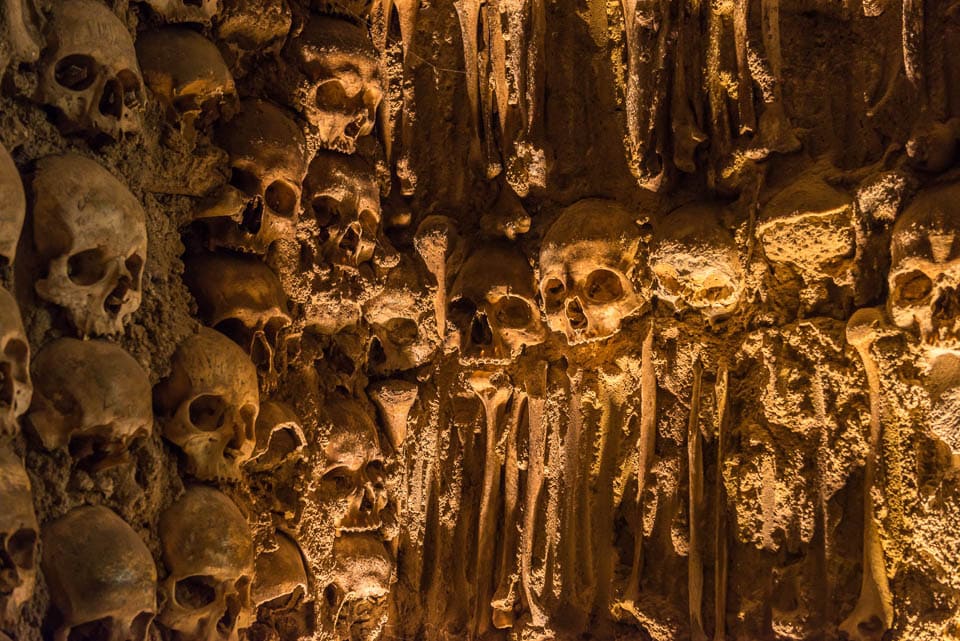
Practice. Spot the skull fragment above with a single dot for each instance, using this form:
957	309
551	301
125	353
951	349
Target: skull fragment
91	234
97	414
208	551
281	577
198	11
89	72
102	578
279	436
13	206
19	537
211	401
586	262
356	598
16	388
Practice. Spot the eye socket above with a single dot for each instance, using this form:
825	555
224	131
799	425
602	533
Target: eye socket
402	332
603	286
195	592
22	548
513	312
282	198
369	221
326	210
244	180
912	288
76	72
87	267
375	472
331	95
554	292
208	412
340	477
16	350
134	265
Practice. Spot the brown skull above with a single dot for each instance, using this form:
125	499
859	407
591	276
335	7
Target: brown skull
199	11
16	388
19	537
13	208
279	436
356	598
281	577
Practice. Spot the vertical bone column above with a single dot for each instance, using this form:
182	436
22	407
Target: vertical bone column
695	491
720	520
537	424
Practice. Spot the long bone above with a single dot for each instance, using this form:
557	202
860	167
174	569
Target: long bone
535	387
685	109
438	244
695	471
720	522
468	12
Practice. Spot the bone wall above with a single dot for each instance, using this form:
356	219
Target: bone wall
431	320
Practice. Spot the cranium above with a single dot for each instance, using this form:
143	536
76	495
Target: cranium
199	11
91	396
102	578
695	262
91	234
187	74
208	550
19	536
402	319
281	578
924	273
279	436
253	26
340	87
16	388
14	207
211	401
89	71
352	487
344	196
242	298
262	202
357	596
493	304
586	261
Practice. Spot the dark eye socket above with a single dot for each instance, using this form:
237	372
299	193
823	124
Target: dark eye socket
195	592
402	331
134	265
87	267
553	291
331	95
913	288
513	312
326	210
244	180
208	412
341	477
282	198
603	286
76	72
22	548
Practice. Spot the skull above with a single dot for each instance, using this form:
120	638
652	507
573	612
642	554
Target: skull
102	578
16	387
357	596
242	298
402	319
97	414
89	71
188	75
19	535
14	207
253	27
352	485
91	233
211	400
924	273
281	578
695	262
199	11
344	196
262	202
493	304
340	87
208	550
279	436
586	261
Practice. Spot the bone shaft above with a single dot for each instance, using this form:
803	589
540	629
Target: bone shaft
537	444
486	543
648	434
695	490
720	525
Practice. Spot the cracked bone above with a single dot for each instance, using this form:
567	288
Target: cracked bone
395	399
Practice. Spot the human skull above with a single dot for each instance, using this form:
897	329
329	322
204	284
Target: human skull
253	27
340	89
242	298
89	71
586	262
695	262
208	550
281	577
924	275
13	208
19	537
91	234
402	319
344	196
199	11
493	304
97	414
187	74
356	597
211	401
279	436
268	159
16	388
352	487
102	578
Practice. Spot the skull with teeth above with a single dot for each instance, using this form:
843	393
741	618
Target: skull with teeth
924	273
19	537
493	304
98	414
14	207
16	388
198	11
91	233
344	196
339	90
102	577
211	401
586	263
89	72
208	550
356	598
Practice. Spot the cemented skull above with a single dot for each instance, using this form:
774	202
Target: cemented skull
101	576
199	11
493	304
16	388
13	208
695	262
211	400
357	596
89	71
340	87
281	577
91	234
268	159
208	550
97	414
279	436
344	196
253	26
352	487
242	298
924	273
187	74
586	262
19	536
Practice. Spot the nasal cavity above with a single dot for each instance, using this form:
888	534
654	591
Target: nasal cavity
578	320
350	241
253	215
6	385
111	100
480	333
118	296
